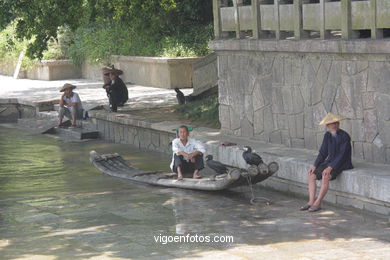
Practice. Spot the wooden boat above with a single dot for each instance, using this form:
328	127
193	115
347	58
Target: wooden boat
115	165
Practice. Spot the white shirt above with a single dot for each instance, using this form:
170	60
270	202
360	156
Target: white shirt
74	98
191	146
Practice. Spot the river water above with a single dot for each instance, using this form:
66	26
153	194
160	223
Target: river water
55	205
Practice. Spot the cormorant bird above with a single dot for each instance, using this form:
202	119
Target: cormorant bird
181	99
215	165
251	158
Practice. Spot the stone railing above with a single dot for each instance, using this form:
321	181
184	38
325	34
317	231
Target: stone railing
299	19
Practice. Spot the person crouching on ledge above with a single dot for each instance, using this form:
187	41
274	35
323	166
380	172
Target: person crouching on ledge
334	157
187	154
70	105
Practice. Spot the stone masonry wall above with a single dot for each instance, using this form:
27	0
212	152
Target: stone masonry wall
280	97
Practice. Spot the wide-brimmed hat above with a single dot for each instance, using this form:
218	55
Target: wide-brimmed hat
106	70
67	85
331	118
112	69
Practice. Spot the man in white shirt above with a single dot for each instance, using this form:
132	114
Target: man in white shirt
187	154
70	105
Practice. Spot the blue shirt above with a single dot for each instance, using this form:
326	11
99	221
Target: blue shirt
335	151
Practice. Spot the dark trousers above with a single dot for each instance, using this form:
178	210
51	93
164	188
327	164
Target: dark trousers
188	167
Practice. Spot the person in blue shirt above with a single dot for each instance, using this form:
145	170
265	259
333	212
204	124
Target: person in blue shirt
334	157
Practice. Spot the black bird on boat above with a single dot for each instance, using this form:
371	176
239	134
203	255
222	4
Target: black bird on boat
215	165
250	157
181	99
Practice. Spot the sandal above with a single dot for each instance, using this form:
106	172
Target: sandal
180	178
314	208
306	207
197	177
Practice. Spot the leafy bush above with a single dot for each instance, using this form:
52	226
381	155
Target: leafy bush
97	42
11	47
205	110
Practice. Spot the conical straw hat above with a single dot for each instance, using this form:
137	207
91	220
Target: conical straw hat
331	118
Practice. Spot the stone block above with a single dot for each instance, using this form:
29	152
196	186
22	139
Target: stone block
224	116
277	101
357	130
276	137
281	121
298	142
248	109
370	125
287	101
377	208
319	112
297	100
278	71
308	117
288	72
329	95
343	103
382	102
258	98
347	201
155	139
246	128
316	92
310	139
299	123
358	150
268	120
368	151
379	154
9	113
235	121
368	100
384	131
286	140
292	126
258	122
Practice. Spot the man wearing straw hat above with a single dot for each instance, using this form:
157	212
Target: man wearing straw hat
70	105
116	89
334	157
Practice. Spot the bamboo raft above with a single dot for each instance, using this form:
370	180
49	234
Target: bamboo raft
114	165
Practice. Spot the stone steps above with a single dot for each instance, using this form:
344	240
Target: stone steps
75	133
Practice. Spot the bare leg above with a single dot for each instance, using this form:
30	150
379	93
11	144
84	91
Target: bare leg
312	188
179	173
73	120
323	191
196	175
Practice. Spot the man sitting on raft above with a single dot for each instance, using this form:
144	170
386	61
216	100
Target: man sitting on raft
187	154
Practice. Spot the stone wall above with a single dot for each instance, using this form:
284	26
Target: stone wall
157	72
44	70
281	96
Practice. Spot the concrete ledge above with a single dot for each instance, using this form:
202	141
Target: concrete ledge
365	187
160	72
305	46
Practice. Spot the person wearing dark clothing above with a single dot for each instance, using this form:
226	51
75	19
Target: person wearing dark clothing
334	156
116	89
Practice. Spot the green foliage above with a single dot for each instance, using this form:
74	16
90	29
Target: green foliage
104	27
205	110
95	42
11	46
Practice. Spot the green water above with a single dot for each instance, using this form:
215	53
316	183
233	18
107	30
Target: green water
38	165
55	205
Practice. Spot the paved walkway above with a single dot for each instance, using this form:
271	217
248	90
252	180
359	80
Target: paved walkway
90	91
